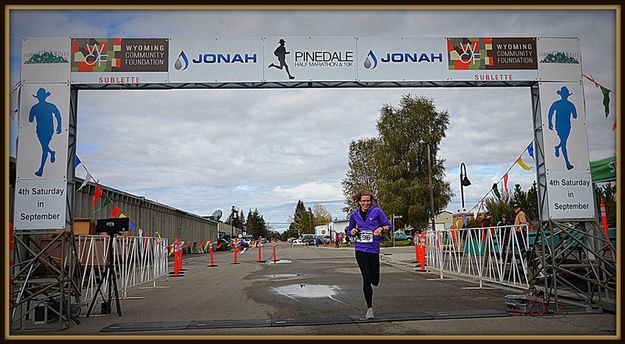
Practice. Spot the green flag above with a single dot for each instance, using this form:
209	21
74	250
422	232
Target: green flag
107	201
603	170
606	100
496	191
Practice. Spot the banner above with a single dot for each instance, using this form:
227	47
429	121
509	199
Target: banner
401	59
492	59
559	59
119	60
45	60
569	182
603	170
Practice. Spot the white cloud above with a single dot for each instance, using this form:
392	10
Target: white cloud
201	150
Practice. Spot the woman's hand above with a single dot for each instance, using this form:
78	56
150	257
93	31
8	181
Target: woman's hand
354	231
377	231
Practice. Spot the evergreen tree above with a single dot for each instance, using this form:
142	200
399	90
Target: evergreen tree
256	225
296	219
528	201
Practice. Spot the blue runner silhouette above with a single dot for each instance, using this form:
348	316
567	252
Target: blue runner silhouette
563	109
43	112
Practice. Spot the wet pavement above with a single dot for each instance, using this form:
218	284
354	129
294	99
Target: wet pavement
318	291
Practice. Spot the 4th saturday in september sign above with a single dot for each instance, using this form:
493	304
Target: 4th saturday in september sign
40	204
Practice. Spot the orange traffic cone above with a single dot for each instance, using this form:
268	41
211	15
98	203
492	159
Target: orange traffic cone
274	254
212	256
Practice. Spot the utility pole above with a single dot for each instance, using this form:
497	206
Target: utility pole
232	223
431	189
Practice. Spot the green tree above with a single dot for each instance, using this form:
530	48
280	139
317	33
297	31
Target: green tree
401	160
607	191
235	219
499	206
256	225
362	173
302	220
320	214
528	201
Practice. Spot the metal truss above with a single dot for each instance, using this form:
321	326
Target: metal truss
46	280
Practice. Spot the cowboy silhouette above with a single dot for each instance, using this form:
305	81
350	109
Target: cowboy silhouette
43	112
563	109
281	52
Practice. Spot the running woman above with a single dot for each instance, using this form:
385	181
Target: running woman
366	223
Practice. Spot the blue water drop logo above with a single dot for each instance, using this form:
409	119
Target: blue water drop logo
368	63
182	62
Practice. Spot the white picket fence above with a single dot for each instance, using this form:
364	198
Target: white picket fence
492	254
137	260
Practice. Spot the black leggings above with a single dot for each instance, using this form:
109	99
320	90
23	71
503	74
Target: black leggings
369	264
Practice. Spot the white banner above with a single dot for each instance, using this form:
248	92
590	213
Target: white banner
45	60
570	195
310	59
564	127
216	60
401	59
40	204
43	132
565	138
559	59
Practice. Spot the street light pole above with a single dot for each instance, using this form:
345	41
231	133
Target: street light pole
464	181
431	189
393	229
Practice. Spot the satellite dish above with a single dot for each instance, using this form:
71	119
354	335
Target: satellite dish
217	215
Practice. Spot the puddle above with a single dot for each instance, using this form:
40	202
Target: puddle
281	261
281	276
295	291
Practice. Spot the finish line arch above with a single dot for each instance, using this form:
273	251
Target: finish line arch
54	70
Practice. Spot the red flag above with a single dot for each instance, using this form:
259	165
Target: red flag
505	181
115	212
98	193
614	126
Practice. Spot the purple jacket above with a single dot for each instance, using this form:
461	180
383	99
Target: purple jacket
375	218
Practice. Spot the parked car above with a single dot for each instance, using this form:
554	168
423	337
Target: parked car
402	236
308	239
248	239
297	242
225	241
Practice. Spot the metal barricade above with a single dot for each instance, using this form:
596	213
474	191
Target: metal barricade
493	254
137	260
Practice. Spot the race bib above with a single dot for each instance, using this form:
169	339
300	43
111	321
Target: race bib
365	236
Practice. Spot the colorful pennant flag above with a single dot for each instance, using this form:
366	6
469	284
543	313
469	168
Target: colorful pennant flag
505	182
530	149
606	94
98	193
522	164
606	100
496	191
132	225
122	215
87	178
115	212
77	161
107	201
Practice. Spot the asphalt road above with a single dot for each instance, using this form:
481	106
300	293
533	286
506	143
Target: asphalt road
318	292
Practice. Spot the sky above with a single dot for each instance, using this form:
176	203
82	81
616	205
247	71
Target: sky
203	150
